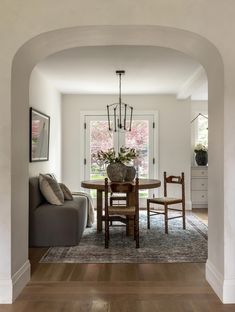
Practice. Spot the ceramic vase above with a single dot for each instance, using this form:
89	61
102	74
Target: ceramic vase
130	173
116	172
201	158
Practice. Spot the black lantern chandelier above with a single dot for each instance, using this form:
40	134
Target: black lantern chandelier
120	113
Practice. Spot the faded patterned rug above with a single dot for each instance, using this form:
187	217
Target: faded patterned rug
179	245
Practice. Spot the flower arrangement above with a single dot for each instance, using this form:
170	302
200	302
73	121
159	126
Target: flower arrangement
200	148
125	155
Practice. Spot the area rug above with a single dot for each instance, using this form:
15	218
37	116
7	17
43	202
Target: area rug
179	245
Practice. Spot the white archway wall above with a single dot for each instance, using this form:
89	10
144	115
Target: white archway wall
229	177
40	47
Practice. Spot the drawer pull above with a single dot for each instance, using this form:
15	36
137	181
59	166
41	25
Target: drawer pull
203	196
202	184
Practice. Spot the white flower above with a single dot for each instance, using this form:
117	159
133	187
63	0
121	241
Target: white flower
200	147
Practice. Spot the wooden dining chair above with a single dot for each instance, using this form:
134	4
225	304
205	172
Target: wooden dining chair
118	199
168	201
122	213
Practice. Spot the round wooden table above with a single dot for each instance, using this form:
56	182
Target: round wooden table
98	185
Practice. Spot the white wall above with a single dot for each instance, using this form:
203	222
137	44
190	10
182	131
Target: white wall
174	132
199	35
44	97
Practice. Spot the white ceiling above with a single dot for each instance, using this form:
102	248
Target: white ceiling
149	70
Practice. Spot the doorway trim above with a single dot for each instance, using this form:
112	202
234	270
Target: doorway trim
141	113
45	44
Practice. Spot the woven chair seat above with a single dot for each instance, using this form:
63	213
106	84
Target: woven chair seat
167	200
121	210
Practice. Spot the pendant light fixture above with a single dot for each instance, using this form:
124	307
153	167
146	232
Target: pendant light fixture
119	114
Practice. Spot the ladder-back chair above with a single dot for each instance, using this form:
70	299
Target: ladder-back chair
122	213
168	201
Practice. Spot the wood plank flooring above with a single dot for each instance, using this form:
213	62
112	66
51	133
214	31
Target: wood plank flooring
201	213
118	287
176	287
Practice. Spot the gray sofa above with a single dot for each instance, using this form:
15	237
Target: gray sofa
51	225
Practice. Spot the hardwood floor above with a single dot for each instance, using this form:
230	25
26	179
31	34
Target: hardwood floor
201	213
172	287
117	287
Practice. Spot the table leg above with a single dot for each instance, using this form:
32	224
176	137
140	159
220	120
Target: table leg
99	210
130	224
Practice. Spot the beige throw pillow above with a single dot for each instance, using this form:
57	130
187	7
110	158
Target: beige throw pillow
51	190
67	193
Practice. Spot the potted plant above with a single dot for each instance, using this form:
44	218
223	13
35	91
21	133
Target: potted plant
117	170
201	156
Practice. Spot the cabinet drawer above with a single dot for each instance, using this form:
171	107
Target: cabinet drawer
199	197
199	184
199	172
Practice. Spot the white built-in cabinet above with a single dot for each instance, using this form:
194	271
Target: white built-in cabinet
199	186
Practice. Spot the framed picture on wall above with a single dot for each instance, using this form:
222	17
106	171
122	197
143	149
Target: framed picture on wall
39	136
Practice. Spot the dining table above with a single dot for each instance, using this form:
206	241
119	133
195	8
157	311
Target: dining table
98	185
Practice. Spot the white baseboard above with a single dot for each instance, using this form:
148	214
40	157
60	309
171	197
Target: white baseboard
229	291
5	291
11	288
20	279
225	289
215	279
204	206
188	205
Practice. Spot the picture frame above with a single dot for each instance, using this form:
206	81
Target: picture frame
39	136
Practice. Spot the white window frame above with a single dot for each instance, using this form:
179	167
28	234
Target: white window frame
154	114
194	133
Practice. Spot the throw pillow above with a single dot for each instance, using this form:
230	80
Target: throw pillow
51	175
51	190
67	193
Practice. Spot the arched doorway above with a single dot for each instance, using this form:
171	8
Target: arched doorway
46	44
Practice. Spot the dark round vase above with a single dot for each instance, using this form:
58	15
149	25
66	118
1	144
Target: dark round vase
116	172
130	173
201	158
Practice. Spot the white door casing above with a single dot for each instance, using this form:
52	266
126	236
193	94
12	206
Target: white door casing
120	139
